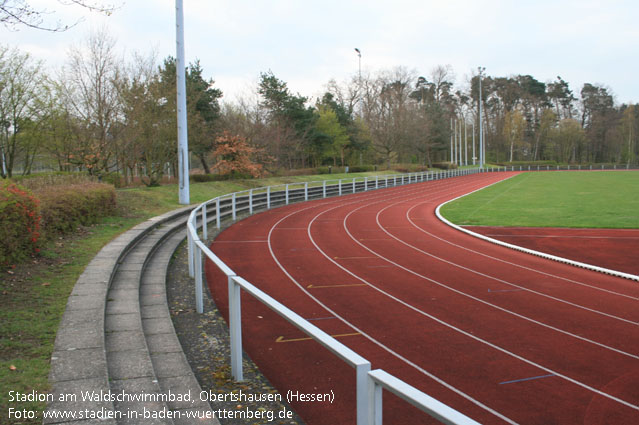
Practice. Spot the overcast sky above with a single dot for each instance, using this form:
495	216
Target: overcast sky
306	42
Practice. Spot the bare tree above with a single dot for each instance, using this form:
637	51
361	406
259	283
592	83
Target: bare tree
20	13
386	109
91	97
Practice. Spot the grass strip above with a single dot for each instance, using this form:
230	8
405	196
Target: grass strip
597	199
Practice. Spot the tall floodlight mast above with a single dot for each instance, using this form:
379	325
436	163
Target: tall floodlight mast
359	55
481	69
183	141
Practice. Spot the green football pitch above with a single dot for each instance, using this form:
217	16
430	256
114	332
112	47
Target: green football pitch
599	199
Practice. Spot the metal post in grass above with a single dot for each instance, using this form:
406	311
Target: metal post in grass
233	206
235	328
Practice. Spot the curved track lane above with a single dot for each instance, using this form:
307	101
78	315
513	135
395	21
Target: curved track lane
502	336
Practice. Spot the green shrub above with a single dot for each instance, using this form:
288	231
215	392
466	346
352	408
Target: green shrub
115	179
39	181
527	163
64	208
328	170
361	168
19	224
444	165
201	178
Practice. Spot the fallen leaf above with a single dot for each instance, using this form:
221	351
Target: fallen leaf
12	367
46	284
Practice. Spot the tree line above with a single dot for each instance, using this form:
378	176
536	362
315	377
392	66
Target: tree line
103	114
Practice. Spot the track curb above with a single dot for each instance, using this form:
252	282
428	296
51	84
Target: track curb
527	250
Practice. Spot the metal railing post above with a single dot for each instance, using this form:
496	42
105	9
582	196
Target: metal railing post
191	254
199	298
217	212
286	190
235	329
361	379
306	191
376	182
353	184
375	402
365	184
233	206
205	227
251	201
339	183
324	189
268	198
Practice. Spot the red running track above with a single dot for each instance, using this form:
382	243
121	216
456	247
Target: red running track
614	249
502	336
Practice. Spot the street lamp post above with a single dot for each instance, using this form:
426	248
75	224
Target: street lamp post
481	131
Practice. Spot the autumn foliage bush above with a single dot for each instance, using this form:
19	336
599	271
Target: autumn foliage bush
64	208
232	155
19	223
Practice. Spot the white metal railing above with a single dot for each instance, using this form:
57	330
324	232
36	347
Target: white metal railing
379	379
368	384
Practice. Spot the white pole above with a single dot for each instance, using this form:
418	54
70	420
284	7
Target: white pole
474	158
465	143
183	144
452	154
481	127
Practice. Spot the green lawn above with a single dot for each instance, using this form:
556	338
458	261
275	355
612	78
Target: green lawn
604	199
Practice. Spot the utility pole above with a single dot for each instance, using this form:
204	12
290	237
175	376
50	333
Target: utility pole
183	141
481	127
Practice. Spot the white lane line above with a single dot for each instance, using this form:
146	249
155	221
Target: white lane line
412	221
517	288
370	338
494	346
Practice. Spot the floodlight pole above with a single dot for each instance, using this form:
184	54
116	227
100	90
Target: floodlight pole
359	55
183	141
481	131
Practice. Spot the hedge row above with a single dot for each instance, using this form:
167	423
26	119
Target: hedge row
19	223
64	208
49	211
